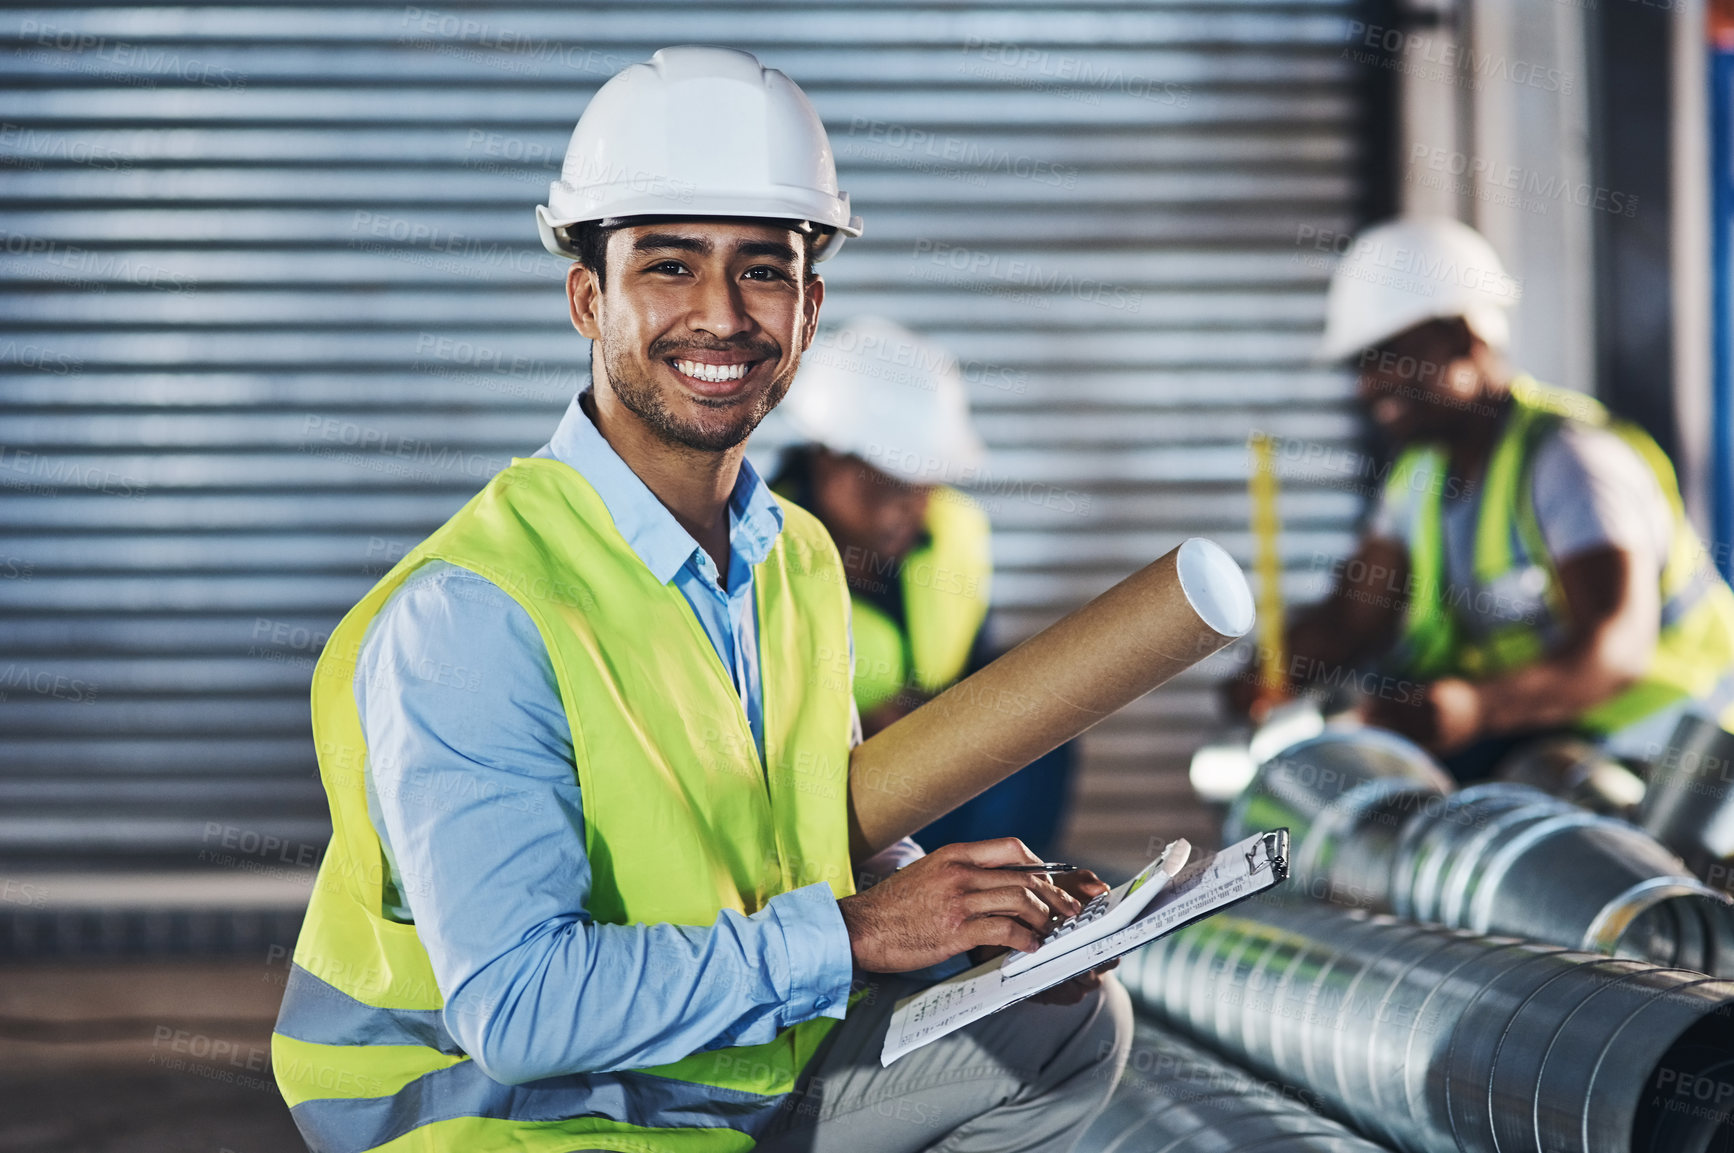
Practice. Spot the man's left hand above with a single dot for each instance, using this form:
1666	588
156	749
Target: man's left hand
1457	717
1442	717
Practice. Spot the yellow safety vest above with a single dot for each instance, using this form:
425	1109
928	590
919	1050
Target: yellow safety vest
945	586
1694	655
681	820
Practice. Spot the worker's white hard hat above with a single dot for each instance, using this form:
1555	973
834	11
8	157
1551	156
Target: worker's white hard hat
875	390
1413	269
699	131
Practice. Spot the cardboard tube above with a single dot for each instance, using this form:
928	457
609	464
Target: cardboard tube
1162	619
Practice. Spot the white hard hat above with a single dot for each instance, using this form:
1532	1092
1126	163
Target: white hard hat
1400	273
875	390
699	131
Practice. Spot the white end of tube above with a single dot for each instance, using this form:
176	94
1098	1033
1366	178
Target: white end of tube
1215	587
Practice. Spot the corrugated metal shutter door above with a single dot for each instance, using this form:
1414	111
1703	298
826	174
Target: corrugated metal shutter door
274	307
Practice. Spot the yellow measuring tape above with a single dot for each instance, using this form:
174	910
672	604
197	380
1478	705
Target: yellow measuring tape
1266	527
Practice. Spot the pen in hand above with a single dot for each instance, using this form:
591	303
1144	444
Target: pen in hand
1044	867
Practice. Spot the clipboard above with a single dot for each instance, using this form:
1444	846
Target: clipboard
1205	886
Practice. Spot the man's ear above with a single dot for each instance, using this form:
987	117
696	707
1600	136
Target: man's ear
812	299
584	300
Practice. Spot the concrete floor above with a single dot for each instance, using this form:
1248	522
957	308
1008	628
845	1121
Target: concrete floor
160	1057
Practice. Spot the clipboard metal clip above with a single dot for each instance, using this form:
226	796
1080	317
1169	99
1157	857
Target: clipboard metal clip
1273	857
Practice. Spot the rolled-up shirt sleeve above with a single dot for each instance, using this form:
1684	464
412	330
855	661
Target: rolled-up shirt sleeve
1592	490
473	791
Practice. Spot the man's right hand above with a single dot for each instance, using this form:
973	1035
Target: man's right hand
949	902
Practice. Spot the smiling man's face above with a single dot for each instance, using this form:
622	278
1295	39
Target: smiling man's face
701	325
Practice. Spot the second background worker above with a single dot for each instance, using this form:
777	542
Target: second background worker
885	437
1528	569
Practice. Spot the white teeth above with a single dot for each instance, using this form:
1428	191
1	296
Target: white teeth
712	372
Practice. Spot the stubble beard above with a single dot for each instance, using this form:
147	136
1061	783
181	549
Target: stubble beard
644	399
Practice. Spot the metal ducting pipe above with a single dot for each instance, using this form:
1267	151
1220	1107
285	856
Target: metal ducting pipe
1435	1041
1176	1098
1374	825
1690	803
1344	797
1575	770
1509	860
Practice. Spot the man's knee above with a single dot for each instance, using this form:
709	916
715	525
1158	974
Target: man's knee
1109	1034
1083	1075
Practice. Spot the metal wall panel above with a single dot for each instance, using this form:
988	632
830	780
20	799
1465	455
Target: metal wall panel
274	307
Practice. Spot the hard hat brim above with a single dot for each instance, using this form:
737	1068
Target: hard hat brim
1489	324
548	227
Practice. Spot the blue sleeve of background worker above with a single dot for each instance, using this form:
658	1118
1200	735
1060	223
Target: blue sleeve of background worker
471	779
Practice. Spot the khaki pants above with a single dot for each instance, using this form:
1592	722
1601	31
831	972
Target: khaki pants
1027	1079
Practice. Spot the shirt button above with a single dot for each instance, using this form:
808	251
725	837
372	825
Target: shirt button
822	1003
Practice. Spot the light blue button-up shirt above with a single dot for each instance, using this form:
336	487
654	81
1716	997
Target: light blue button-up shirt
472	791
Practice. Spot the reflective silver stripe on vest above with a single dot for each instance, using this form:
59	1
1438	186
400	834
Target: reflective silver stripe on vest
1713	703
356	1124
1697	588
318	1012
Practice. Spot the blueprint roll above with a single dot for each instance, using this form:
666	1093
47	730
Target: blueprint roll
1159	621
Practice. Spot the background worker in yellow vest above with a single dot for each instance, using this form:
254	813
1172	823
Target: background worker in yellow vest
884	417
587	746
1528	567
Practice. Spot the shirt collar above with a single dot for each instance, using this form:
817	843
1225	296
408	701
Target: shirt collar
755	518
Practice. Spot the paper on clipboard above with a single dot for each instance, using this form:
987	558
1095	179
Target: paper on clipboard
1206	886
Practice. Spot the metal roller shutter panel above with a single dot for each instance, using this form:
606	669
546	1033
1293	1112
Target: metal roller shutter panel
274	307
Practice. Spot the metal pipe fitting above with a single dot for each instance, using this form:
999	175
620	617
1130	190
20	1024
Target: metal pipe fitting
1435	1041
1575	770
1690	803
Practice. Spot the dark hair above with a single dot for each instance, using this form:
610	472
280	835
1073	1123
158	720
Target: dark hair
589	239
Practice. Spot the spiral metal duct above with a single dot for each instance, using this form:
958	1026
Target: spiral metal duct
1344	797
1690	803
1435	1041
1509	860
1374	825
1176	1098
